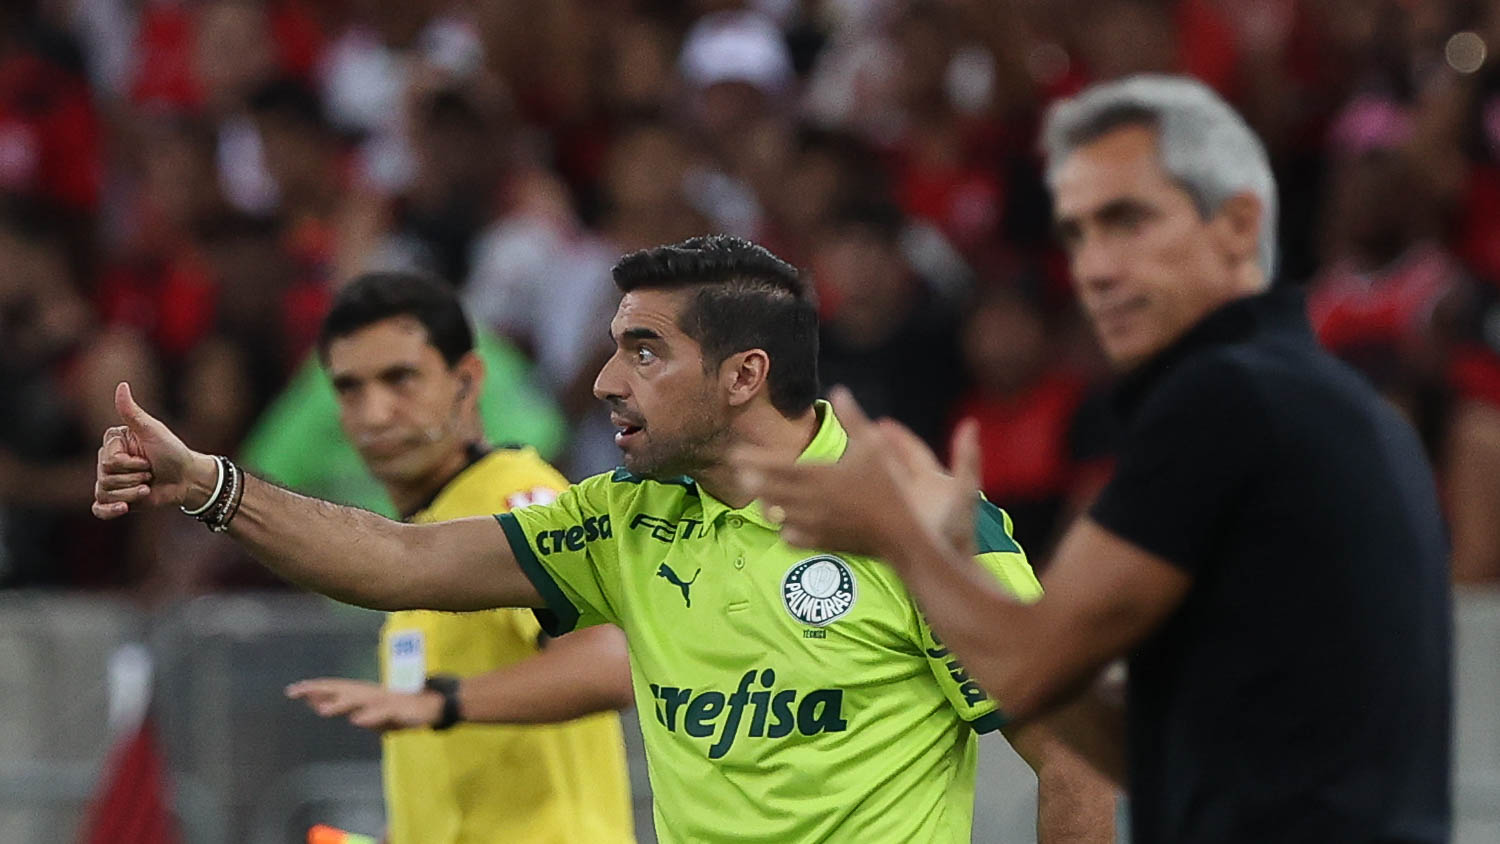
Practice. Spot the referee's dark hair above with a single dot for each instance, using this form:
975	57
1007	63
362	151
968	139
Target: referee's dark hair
746	298
373	297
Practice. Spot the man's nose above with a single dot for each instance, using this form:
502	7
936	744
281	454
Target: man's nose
377	409
608	385
1095	265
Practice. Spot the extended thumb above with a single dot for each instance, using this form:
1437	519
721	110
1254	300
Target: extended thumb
130	412
848	411
968	459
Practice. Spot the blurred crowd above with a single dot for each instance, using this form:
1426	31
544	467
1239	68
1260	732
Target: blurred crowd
184	183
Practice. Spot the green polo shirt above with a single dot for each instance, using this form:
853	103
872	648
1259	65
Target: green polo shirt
785	694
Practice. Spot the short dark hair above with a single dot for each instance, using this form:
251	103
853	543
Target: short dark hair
291	100
745	298
373	297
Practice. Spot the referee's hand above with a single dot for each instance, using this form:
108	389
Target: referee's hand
887	485
142	462
368	705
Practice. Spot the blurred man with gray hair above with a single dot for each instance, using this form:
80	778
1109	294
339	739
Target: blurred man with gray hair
1269	554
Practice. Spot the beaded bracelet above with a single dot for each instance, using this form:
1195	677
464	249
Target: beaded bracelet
222	506
215	517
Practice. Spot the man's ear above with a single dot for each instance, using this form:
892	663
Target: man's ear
470	372
1238	226
744	375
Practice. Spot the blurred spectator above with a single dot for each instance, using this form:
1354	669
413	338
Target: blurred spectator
265	320
458	138
49	131
302	153
232	56
885	334
946	156
380	55
1387	281
636	83
1042	449
739	74
1471	469
156	280
54	368
545	282
827	170
853	83
738	68
213	168
309	165
1476	117
208	58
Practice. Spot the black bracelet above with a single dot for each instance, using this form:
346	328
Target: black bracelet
215	515
221	505
447	686
233	494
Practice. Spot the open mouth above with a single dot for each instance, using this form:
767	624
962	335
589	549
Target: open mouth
625	431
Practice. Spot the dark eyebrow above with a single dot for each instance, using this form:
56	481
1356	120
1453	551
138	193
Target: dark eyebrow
641	334
1114	211
1118	209
344	381
396	370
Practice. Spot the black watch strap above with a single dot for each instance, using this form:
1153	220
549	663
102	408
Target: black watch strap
447	686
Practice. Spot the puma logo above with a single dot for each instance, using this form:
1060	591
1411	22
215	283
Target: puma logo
671	577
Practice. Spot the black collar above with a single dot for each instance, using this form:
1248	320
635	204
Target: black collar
474	452
1280	310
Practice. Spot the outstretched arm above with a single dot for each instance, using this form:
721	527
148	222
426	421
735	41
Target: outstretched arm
343	552
576	675
1102	595
888	497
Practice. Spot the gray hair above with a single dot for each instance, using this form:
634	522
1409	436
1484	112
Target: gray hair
1203	143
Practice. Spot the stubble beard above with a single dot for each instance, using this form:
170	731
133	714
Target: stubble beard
697	446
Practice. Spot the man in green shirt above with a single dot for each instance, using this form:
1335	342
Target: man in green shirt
786	694
298	443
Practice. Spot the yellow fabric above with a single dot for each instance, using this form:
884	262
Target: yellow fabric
541	784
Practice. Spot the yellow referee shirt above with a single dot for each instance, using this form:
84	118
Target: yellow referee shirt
524	784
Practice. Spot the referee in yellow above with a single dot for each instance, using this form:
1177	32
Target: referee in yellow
550	767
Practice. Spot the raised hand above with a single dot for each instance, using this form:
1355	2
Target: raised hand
368	705
143	462
887	484
943	499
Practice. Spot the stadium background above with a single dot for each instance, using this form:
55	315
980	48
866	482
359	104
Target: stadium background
184	182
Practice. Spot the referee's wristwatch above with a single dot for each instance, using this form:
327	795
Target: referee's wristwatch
447	686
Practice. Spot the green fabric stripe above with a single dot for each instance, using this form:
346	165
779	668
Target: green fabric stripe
989	722
621	475
990	532
560	616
